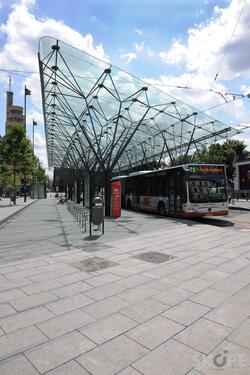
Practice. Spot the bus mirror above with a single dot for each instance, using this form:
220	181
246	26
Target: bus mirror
187	175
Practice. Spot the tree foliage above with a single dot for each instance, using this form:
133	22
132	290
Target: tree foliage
18	159
226	153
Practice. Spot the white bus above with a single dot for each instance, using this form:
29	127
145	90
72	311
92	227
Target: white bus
190	190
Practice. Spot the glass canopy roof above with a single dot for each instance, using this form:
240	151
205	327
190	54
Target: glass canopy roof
98	117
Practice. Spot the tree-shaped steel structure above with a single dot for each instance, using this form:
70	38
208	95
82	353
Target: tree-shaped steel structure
99	118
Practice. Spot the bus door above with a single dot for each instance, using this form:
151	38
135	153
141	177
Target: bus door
171	196
175	194
137	193
178	194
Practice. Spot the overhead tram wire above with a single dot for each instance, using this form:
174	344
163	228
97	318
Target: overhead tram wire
92	79
235	96
228	45
21	73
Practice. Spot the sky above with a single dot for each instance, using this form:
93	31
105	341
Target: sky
202	45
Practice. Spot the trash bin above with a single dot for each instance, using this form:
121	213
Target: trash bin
97	211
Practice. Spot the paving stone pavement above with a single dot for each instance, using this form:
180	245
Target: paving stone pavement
187	315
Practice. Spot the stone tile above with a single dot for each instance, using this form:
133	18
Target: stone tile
35	288
155	331
104	291
229	286
214	275
129	371
70	368
20	274
242	275
235	357
51	275
107	328
232	266
144	310
170	358
8	269
65	323
14	284
164	283
20	340
112	357
54	353
102	280
203	335
185	274
173	296
17	365
216	260
31	264
241	335
230	315
25	319
211	297
11	294
72	278
186	312
241	298
6	309
196	284
138	294
133	281
70	290
68	304
32	301
105	307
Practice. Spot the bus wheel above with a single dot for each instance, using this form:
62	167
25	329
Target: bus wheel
161	209
129	205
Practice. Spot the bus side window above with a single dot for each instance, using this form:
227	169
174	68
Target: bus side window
146	186
154	186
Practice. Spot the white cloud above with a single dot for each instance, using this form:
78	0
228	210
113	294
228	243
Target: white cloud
206	52
22	31
40	149
139	50
138	31
139	47
245	89
93	19
150	52
129	56
176	54
207	43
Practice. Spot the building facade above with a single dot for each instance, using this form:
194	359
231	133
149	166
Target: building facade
242	178
14	113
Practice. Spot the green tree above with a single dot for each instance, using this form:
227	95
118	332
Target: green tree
39	172
14	150
26	168
5	177
227	153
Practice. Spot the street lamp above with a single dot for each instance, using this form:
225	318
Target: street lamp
26	92
33	148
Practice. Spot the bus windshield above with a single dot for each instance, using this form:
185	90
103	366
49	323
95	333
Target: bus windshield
207	184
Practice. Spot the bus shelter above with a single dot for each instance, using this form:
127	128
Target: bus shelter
99	119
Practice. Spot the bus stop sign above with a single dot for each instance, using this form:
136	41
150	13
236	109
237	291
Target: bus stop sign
116	198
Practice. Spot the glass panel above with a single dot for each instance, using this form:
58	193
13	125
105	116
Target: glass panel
205	190
97	114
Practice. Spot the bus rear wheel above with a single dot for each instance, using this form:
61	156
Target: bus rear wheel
161	209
